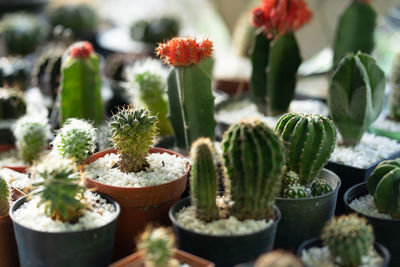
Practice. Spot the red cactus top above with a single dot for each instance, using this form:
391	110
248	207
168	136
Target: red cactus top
181	51
280	16
81	49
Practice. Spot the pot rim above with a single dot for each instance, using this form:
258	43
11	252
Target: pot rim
347	204
20	201
171	215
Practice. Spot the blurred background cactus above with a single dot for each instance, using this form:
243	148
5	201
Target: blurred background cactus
394	99
5	197
12	103
14	72
356	96
278	258
154	31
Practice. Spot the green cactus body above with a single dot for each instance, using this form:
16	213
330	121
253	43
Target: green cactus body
356	96
355	31
14	72
309	140
133	132
394	99
295	191
204	179
349	238
154	31
254	160
4	197
384	186
81	84
320	187
12	103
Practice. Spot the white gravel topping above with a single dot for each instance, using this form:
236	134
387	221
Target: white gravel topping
370	149
11	158
366	205
384	123
98	213
222	227
318	257
163	168
18	180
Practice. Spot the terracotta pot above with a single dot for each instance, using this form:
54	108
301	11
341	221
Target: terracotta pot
137	260
139	205
7	147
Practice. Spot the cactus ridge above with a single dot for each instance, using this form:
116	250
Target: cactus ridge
295	191
5	195
320	187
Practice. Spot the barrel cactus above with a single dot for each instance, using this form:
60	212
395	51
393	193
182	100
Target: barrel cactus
384	186
14	73
133	132
349	238
309	140
394	99
12	103
254	159
5	197
294	191
155	30
356	96
320	187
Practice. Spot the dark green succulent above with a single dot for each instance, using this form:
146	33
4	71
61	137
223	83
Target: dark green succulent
12	103
14	72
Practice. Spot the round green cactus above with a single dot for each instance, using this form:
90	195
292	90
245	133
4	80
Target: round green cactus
12	103
348	238
254	159
14	72
295	191
320	187
133	132
384	186
22	32
394	99
77	139
204	179
309	140
154	31
4	197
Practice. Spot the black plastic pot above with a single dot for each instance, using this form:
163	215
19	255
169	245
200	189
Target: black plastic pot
316	242
223	250
387	231
351	176
93	247
304	218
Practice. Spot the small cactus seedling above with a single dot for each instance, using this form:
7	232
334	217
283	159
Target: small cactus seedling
5	197
384	186
14	73
254	159
278	258
77	139
155	30
356	96
320	187
348	238
12	103
309	140
204	179
394	99
133	132
295	191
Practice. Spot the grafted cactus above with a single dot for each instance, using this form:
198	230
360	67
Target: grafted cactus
254	160
384	186
5	197
356	96
204	179
309	140
394	99
12	103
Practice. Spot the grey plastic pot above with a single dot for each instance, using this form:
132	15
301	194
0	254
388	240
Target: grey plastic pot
304	218
89	248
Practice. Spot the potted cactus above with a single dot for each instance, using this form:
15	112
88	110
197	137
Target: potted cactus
157	249
61	213
346	241
145	181
377	200
308	193
239	225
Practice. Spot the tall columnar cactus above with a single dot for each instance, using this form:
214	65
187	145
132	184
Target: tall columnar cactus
12	103
356	96
355	31
384	186
394	99
81	84
254	161
14	72
276	55
204	179
133	132
189	81
348	238
309	140
5	197
31	137
77	139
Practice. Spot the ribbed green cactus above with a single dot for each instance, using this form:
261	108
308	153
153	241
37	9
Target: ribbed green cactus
295	191
77	139
155	30
356	96
204	179
320	187
14	72
348	238
394	99
133	132
12	103
384	186
254	161
355	31
81	84
309	140
5	197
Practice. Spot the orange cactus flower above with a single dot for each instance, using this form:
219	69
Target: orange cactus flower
81	49
181	51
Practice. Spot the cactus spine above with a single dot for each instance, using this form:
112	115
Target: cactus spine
320	187
204	179
80	84
394	99
384	186
349	238
355	31
12	103
356	96
4	197
254	160
309	140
